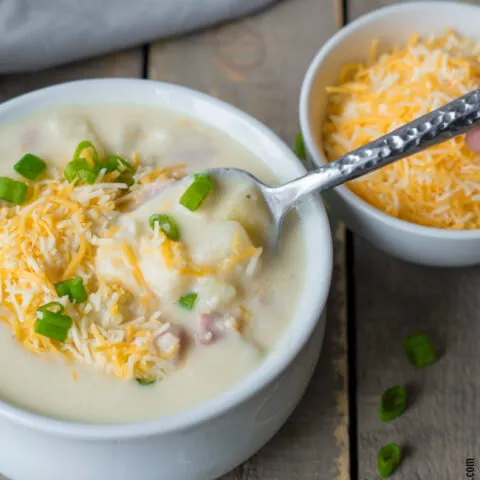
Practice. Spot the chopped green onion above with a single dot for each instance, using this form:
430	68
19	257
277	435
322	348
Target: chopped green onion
393	403
114	162
195	194
74	288
13	191
84	146
144	382
80	170
420	350
188	301
300	147
56	319
389	458
51	331
55	307
167	225
52	325
30	166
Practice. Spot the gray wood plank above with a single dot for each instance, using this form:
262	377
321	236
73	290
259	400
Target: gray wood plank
257	64
122	64
392	300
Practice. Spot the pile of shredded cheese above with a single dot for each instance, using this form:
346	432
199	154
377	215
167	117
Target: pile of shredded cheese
439	187
54	236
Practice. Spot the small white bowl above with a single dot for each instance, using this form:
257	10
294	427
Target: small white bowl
210	439
405	240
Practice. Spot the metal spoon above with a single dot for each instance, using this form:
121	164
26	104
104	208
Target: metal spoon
452	119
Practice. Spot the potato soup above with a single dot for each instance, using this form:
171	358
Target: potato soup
132	283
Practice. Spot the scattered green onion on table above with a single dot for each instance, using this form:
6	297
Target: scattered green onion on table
393	403
388	460
420	350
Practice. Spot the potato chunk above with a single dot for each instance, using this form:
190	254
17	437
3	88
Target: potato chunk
228	247
72	129
244	204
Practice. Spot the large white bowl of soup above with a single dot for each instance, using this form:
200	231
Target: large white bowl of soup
146	331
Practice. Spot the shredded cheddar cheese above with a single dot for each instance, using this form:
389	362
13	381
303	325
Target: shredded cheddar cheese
57	235
439	187
52	238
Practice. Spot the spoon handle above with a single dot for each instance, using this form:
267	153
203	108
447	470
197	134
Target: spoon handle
435	127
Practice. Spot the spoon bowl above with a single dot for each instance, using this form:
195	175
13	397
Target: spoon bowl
448	121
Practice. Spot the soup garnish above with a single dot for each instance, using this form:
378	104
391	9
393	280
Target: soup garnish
30	166
74	218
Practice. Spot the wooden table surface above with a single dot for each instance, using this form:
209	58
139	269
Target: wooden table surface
257	64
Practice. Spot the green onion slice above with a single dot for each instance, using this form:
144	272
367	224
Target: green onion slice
144	382
80	170
188	301
81	147
55	307
420	350
53	325
30	166
114	162
389	458
195	194
13	191
51	331
56	319
167	225
74	288
300	147
393	403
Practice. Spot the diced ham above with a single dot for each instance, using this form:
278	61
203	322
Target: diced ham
30	139
214	326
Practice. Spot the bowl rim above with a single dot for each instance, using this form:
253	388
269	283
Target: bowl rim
273	365
318	157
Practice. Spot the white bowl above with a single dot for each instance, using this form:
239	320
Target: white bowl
210	439
408	241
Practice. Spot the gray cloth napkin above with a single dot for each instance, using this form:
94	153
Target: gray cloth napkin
42	33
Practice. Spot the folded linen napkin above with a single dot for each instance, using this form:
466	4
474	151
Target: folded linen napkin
43	33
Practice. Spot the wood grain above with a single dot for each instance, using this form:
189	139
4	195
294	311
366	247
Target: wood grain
392	300
258	64
123	64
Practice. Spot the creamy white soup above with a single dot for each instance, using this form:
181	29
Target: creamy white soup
133	284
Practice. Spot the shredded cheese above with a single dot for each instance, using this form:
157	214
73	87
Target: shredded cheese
37	241
55	236
439	187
